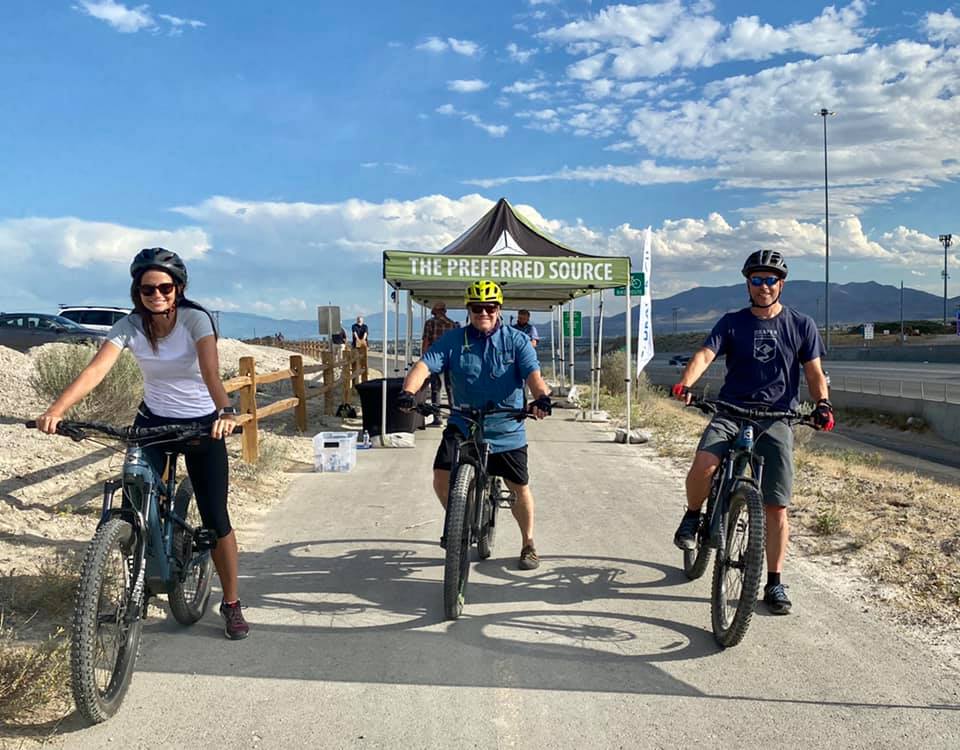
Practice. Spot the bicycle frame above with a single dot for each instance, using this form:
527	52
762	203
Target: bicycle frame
740	464
143	492
478	458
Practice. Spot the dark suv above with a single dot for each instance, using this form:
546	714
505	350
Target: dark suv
21	331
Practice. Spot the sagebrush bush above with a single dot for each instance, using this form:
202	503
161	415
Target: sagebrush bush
114	400
611	372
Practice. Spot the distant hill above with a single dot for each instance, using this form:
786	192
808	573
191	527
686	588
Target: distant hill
696	310
850	304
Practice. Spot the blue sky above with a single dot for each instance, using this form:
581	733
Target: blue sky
280	147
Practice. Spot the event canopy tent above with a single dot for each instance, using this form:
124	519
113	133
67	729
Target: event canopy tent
535	271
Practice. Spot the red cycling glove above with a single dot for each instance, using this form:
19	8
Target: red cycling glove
823	415
680	391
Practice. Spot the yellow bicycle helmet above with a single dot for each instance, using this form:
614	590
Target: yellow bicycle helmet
483	291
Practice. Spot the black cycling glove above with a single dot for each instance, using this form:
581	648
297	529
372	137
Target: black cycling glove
543	404
406	401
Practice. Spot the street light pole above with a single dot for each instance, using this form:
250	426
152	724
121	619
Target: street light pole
824	113
946	240
675	319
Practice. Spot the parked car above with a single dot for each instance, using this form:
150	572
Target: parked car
21	331
97	318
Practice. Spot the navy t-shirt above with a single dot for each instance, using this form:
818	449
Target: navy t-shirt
764	356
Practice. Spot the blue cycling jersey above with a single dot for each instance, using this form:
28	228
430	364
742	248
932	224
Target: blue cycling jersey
485	369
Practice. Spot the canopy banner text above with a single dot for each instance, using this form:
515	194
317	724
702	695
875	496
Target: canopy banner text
598	272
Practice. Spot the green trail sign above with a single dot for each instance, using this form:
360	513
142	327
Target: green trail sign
577	323
637	286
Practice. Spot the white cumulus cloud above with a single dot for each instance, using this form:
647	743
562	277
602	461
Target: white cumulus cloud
469	86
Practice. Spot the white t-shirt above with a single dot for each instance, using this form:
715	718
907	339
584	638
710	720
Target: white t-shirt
172	384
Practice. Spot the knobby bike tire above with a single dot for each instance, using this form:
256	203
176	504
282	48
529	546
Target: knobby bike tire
456	567
695	560
741	562
93	615
488	525
189	596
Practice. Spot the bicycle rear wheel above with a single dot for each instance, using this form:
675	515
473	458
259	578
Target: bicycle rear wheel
106	633
695	560
189	595
456	567
737	570
488	525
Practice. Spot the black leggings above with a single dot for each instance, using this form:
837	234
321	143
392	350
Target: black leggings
207	467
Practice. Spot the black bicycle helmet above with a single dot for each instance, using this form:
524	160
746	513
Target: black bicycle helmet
765	260
162	260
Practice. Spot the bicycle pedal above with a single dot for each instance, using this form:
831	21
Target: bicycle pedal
204	539
443	542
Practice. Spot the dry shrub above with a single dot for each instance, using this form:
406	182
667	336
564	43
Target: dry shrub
114	400
33	677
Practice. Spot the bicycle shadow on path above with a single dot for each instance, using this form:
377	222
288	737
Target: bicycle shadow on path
370	611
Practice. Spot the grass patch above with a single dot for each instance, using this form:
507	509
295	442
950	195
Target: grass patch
827	523
114	400
272	458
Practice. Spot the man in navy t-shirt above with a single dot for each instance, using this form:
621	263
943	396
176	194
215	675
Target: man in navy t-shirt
765	346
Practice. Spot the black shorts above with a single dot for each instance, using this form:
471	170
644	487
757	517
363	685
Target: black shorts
511	465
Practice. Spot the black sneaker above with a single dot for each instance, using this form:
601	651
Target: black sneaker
236	627
776	599
528	558
686	536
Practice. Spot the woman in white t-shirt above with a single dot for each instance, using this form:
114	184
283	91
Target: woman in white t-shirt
175	343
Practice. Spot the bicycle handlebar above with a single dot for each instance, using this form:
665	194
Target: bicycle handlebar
712	406
130	434
471	413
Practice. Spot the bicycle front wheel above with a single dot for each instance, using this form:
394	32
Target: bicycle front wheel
737	570
106	632
191	592
456	568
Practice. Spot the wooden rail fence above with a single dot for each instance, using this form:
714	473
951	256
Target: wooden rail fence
341	370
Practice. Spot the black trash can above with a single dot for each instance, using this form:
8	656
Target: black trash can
397	421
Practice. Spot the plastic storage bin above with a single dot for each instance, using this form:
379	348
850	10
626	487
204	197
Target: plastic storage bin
334	451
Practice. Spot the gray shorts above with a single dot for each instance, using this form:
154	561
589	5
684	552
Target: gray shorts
776	447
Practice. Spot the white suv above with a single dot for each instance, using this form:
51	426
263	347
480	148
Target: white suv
97	318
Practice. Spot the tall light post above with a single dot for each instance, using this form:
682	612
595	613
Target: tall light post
675	318
946	240
825	113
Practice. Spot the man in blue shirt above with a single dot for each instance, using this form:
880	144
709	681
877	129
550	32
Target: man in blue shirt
487	362
523	324
765	346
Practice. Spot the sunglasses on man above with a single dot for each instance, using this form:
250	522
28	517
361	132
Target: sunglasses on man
148	290
764	280
478	308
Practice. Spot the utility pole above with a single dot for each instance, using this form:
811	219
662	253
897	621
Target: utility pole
675	319
825	113
946	240
902	337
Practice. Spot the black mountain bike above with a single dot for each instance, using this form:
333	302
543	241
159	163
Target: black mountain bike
472	502
734	523
151	544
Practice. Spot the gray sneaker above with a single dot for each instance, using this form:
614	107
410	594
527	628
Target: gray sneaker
528	558
776	599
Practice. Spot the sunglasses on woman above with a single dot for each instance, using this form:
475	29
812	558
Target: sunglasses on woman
478	308
148	290
764	280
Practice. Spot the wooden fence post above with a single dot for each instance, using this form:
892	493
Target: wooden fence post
248	405
327	359
346	370
363	363
299	390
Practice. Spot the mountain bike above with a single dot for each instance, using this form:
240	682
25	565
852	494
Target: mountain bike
734	523
472	502
151	544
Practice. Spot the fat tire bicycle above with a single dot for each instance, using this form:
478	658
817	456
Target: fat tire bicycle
151	544
734	523
472	502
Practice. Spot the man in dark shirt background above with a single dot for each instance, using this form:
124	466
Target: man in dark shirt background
437	325
360	332
523	324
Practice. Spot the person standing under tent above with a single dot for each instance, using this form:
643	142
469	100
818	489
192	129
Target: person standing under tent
435	326
524	325
487	362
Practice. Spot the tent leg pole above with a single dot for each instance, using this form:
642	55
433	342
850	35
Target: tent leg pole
593	353
396	336
383	385
629	357
553	343
599	349
572	341
407	351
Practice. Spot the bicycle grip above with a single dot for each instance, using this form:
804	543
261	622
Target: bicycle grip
30	424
